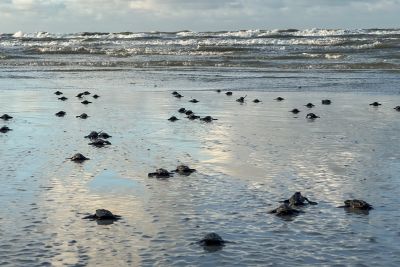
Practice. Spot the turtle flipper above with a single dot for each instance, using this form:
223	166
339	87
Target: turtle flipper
310	202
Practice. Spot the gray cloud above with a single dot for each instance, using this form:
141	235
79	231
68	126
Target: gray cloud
144	15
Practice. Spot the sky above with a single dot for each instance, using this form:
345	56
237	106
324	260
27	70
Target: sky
66	16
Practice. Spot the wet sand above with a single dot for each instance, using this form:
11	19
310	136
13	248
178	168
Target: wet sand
250	158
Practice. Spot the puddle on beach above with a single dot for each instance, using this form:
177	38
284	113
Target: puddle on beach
253	156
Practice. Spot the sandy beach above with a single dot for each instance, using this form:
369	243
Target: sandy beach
247	160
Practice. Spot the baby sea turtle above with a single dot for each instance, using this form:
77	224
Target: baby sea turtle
184	170
256	100
218	90
178	95
61	113
182	110
285	210
102	214
160	173
397	108
295	111
298	200
100	143
63	98
78	157
95	96
193	117
326	102
85	102
311	116
5	129
188	112
6	117
241	99
279	98
58	93
194	100
228	93
375	104
173	118
83	116
86	93
208	119
104	135
80	95
356	204
92	135
309	105
174	93
212	239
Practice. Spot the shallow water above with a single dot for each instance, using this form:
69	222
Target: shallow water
253	156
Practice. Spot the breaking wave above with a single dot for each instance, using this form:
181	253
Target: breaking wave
319	48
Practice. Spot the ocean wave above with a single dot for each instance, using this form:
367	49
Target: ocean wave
255	33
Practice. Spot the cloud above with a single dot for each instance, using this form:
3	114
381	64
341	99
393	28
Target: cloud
142	15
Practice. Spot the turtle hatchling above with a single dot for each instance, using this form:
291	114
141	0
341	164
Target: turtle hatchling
103	214
85	102
184	170
104	135
375	104
83	116
160	173
212	239
173	118
241	99
207	119
78	157
309	105
61	113
311	116
6	117
92	135
5	129
99	143
356	204
285	210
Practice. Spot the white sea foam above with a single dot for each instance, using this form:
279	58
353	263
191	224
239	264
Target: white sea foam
333	56
18	34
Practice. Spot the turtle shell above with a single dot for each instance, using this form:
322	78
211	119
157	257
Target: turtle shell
357	204
212	239
78	157
92	135
6	117
4	129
